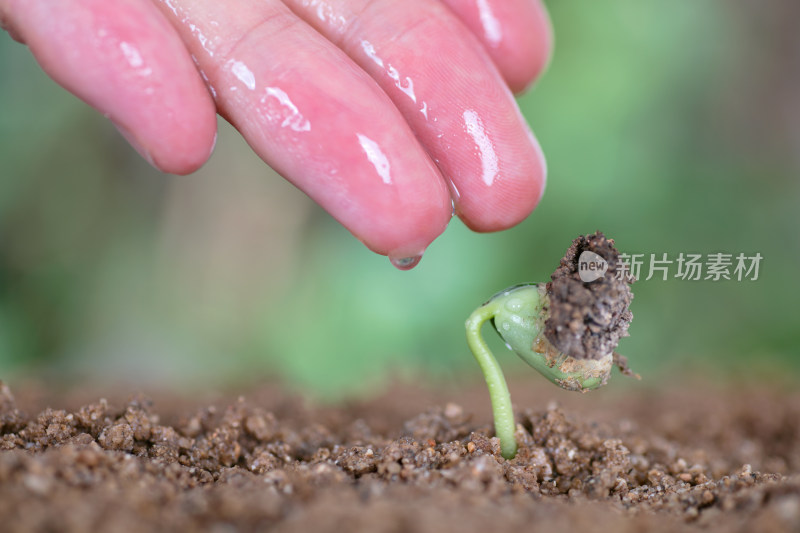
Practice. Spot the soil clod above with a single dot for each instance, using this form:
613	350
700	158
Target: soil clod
587	319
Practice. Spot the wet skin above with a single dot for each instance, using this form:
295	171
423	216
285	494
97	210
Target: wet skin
386	113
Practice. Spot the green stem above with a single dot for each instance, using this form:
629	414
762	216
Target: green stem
504	425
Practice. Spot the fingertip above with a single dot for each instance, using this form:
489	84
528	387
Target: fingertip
407	250
516	34
511	198
125	60
505	209
185	146
528	48
405	230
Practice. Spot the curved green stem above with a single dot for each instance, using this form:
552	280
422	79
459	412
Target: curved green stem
504	425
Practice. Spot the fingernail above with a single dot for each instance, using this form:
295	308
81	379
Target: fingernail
536	146
135	143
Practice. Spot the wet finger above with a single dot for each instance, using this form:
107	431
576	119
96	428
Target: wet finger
123	58
517	34
317	119
456	102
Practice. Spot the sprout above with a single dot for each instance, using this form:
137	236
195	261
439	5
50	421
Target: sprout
566	329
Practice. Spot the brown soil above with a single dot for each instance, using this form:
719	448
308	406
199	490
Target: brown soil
409	460
587	320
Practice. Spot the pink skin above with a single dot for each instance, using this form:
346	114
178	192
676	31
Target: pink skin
516	33
124	59
332	114
470	125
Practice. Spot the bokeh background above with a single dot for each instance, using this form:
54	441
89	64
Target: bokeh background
673	126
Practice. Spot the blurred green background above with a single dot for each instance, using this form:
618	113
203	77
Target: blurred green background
673	126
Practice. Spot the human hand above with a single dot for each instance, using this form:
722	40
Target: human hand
381	111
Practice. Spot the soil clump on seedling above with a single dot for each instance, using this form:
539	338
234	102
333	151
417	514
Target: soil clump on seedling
587	319
409	460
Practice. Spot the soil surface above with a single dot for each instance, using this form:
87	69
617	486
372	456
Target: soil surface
411	459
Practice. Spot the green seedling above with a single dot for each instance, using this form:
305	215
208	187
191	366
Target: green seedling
528	316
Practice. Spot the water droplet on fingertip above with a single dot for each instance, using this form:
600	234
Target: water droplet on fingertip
405	263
